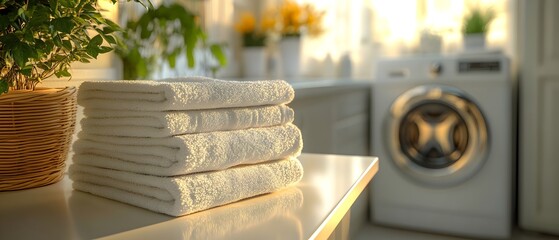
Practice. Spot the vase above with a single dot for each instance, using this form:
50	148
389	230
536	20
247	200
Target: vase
254	62
430	43
290	55
36	130
474	41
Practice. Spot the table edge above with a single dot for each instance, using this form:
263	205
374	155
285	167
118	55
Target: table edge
334	218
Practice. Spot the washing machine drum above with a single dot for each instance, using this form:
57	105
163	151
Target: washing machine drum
437	135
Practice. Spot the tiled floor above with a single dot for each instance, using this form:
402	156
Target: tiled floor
373	232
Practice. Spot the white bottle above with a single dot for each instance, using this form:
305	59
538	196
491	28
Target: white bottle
344	66
328	67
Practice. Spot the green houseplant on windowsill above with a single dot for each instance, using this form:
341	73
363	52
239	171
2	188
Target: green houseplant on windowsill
40	39
161	35
475	27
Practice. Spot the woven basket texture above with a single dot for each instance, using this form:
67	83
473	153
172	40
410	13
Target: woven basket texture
36	130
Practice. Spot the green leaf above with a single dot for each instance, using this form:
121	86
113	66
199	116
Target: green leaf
22	53
53	5
28	36
112	26
43	66
103	49
131	25
4	86
145	31
96	41
63	24
142	70
217	52
92	51
21	11
57	41
108	30
67	3
26	70
110	39
172	59
49	46
134	56
92	47
89	8
62	73
58	57
190	41
9	41
67	45
4	21
39	17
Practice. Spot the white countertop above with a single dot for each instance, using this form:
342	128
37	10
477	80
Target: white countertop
310	209
309	87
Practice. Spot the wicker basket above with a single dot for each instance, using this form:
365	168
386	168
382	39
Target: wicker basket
36	130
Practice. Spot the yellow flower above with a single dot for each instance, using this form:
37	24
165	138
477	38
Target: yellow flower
268	23
251	35
296	18
246	23
290	13
313	20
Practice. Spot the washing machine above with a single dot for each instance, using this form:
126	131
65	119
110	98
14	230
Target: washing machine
441	127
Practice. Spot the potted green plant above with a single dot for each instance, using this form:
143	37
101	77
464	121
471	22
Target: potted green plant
475	26
160	35
40	39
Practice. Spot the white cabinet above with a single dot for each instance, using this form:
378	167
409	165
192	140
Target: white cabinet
333	119
539	114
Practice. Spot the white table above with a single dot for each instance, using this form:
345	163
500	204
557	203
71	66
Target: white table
311	209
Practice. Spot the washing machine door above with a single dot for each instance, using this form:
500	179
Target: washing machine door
437	135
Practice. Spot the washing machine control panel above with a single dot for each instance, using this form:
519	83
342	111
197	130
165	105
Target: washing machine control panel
478	66
449	68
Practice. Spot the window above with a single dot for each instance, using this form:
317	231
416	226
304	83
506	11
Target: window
364	30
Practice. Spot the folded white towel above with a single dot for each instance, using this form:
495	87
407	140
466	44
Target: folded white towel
171	123
183	94
189	153
186	194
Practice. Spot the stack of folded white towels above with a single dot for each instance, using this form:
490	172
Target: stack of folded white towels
180	146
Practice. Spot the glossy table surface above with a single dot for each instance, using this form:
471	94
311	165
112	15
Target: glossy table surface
311	209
